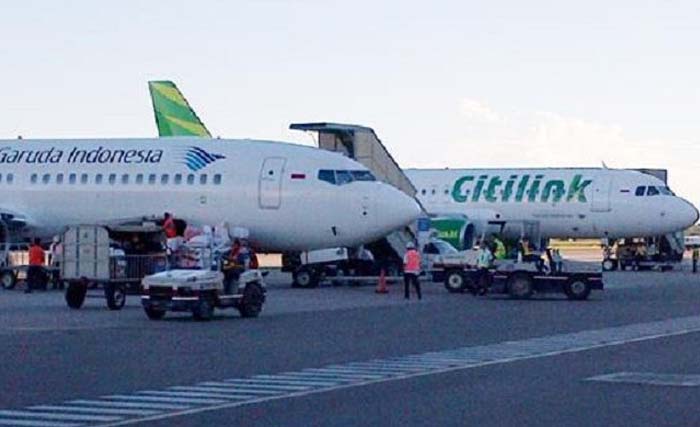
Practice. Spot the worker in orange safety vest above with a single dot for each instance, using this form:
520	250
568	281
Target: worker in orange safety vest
169	226
411	270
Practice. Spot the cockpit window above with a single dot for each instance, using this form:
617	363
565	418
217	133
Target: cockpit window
341	177
652	191
362	176
640	190
327	175
666	191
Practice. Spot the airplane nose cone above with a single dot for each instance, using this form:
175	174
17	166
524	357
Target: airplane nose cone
396	209
687	214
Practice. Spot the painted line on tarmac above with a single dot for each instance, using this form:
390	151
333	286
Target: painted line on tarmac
207	396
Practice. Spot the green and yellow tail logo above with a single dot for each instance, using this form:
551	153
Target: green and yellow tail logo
174	116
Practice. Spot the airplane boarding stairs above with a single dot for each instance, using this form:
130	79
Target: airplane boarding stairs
362	144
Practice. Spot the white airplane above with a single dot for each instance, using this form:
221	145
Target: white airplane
563	202
290	197
573	202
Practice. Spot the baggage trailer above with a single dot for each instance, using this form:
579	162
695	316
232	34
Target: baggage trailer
90	263
521	280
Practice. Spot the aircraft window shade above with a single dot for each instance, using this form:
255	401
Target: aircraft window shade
46	178
139	178
98	178
164	179
640	190
217	179
72	178
84	178
177	179
362	176
112	178
34	178
343	177
125	178
152	179
59	178
203	179
190	179
652	191
10	178
327	175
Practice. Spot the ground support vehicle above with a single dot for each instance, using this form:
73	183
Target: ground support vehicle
521	280
662	253
200	292
90	263
342	265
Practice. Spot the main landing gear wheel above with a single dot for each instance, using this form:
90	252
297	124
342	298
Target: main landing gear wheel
609	264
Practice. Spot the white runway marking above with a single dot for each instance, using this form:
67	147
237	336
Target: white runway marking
231	393
649	378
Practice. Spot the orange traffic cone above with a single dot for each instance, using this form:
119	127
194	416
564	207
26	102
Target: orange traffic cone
381	284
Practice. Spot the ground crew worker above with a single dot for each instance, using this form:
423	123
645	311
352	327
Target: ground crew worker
411	270
483	263
56	253
500	251
696	253
35	271
234	269
169	226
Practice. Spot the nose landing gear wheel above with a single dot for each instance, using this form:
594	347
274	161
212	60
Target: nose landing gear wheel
115	296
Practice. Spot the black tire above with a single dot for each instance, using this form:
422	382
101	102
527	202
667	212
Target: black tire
252	301
609	265
305	278
204	310
75	294
154	313
455	282
8	279
520	286
115	296
577	288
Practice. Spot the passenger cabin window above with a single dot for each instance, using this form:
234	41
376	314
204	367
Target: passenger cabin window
139	178
217	179
177	179
125	178
152	179
34	178
640	190
84	178
72	178
59	178
190	179
98	178
203	179
112	178
652	191
10	178
164	179
46	178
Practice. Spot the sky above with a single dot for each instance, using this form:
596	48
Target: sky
443	83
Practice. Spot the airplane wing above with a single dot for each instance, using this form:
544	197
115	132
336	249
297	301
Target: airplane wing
174	116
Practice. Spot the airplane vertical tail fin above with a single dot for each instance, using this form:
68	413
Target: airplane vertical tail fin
174	116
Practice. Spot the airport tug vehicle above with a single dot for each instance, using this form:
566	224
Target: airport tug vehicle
201	291
519	279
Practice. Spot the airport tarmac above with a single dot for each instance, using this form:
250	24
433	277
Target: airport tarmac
346	356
